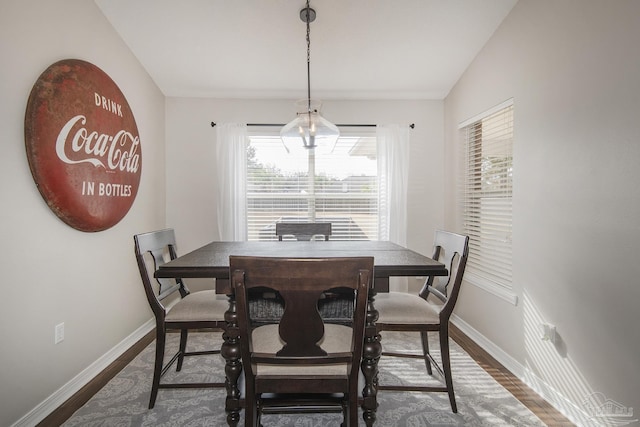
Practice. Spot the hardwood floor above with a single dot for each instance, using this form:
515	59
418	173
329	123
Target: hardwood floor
75	402
529	398
547	413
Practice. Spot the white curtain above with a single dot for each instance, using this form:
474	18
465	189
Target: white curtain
393	174
231	164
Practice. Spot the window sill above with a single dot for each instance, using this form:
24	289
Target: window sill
493	288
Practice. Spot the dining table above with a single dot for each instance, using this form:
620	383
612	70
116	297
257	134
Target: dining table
212	261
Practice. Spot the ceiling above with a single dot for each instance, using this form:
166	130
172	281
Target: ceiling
360	49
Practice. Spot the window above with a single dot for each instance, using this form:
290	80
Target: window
340	186
486	198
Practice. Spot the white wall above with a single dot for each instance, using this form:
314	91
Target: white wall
573	69
52	273
191	204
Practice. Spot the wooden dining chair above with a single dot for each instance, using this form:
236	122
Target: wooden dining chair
428	311
174	307
302	363
332	306
303	230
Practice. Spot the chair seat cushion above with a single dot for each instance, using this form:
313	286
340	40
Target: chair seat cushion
337	338
405	309
199	306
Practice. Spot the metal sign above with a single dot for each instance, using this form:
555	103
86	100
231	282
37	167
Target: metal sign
83	145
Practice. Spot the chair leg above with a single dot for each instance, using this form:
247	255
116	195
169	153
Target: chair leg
351	418
345	414
425	350
258	419
446	367
353	412
251	411
183	347
157	367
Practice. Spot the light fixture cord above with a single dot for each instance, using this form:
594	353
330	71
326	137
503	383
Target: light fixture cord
308	61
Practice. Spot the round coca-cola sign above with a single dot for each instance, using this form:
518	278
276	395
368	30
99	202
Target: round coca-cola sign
83	145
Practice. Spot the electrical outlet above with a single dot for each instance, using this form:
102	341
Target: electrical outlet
59	334
548	332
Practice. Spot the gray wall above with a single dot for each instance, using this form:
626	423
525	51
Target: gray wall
573	69
52	273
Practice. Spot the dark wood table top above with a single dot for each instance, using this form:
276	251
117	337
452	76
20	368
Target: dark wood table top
390	259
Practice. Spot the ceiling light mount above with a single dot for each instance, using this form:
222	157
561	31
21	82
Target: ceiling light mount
309	127
307	14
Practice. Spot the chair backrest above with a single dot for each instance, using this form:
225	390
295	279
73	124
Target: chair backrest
152	250
303	230
452	250
301	282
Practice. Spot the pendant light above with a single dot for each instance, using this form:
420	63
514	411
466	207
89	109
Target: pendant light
309	128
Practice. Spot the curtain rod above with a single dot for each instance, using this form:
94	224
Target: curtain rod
412	125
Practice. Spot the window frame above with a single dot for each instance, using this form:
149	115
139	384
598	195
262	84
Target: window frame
337	198
486	201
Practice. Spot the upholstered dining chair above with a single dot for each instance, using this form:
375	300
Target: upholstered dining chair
428	311
303	230
174	307
302	363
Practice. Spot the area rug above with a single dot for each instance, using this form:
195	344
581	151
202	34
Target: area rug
481	400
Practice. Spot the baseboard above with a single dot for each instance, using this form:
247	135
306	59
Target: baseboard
496	352
65	392
567	408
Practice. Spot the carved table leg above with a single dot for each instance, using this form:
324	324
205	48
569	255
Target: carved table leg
233	366
370	356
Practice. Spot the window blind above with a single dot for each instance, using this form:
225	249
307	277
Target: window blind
486	195
338	185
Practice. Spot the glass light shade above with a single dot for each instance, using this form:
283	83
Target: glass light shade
310	130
